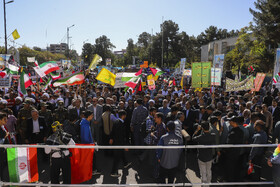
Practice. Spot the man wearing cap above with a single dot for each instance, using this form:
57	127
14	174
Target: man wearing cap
61	113
60	158
23	115
235	136
47	114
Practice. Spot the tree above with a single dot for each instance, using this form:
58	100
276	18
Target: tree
248	52
267	19
103	47
130	52
87	53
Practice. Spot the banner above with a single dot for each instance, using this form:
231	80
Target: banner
108	61
122	78
187	72
219	61
216	76
5	82
201	74
277	66
234	85
144	65
5	58
30	59
182	65
258	81
151	84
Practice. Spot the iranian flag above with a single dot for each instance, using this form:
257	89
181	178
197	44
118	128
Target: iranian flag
74	79
24	82
11	69
157	71
22	164
133	82
48	67
55	76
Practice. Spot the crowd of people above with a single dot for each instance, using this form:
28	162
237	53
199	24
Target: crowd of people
99	114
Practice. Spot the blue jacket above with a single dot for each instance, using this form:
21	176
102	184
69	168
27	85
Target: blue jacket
86	136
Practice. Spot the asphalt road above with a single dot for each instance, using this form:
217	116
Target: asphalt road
141	172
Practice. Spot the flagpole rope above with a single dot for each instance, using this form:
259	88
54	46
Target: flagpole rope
146	184
138	147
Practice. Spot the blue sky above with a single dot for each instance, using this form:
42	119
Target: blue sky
43	22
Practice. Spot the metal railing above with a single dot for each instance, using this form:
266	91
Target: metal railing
140	147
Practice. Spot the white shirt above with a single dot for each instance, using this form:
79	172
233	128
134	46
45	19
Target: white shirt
36	127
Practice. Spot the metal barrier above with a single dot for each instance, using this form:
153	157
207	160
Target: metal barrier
140	147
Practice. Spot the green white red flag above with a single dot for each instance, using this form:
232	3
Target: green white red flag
55	76
49	82
22	164
11	69
74	79
24	82
48	67
133	82
157	71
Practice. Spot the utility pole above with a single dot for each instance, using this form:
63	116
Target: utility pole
68	48
162	43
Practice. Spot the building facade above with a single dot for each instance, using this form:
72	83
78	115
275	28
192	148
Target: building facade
217	47
58	48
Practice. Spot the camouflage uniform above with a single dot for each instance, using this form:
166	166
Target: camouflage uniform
23	115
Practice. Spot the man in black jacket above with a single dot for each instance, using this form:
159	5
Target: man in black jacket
235	136
118	137
4	139
275	111
36	129
191	117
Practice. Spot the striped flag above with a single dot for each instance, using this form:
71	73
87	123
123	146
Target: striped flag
48	67
22	164
12	69
55	76
24	82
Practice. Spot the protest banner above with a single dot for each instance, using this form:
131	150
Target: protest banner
234	85
182	65
258	81
201	74
216	76
122	78
151	84
5	82
144	65
219	61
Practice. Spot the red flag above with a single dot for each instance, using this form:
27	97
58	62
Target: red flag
139	72
174	82
41	80
81	164
154	71
29	74
139	89
252	68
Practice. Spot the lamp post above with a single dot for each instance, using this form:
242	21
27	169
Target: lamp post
4	6
68	38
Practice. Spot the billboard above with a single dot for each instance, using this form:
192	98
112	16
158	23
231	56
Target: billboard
218	61
201	74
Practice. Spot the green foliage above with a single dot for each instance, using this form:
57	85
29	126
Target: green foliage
248	52
267	20
41	56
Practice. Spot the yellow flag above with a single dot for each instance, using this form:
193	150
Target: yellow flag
106	76
182	82
15	34
96	59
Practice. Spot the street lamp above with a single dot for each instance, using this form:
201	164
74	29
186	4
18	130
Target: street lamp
68	37
4	6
